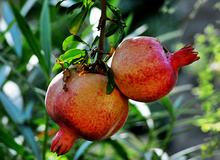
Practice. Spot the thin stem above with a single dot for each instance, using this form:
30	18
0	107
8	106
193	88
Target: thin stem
102	24
168	134
45	135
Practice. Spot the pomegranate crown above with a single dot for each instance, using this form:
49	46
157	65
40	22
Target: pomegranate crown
184	56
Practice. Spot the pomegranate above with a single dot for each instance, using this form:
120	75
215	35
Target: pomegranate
145	71
82	109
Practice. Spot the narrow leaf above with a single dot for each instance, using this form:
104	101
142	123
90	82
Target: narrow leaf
15	34
75	6
28	34
15	115
10	142
4	71
118	148
110	81
71	39
28	110
167	104
120	21
45	34
11	109
82	149
77	21
95	40
116	12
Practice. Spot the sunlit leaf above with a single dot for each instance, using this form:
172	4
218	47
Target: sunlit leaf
28	34
77	21
56	66
72	54
71	39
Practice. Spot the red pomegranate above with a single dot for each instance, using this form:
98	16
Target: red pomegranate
83	110
145	71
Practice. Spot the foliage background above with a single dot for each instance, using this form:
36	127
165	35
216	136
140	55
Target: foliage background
183	125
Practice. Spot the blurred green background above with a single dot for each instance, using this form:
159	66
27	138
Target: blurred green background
184	125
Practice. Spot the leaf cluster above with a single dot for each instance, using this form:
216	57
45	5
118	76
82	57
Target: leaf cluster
89	57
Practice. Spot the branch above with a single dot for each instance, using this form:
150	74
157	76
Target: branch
101	27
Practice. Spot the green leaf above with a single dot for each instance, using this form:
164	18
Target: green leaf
135	114
16	117
77	21
178	102
118	148
95	40
82	149
110	81
112	29
56	66
71	39
10	142
72	54
75	6
4	72
117	13
168	105
120	21
45	34
129	22
28	34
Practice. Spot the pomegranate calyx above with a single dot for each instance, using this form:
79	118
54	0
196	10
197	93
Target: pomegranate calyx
63	141
184	56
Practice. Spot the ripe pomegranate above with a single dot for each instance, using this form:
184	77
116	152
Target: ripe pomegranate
145	71
83	110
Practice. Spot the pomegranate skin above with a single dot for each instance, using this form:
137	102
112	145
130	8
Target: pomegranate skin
144	72
84	110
